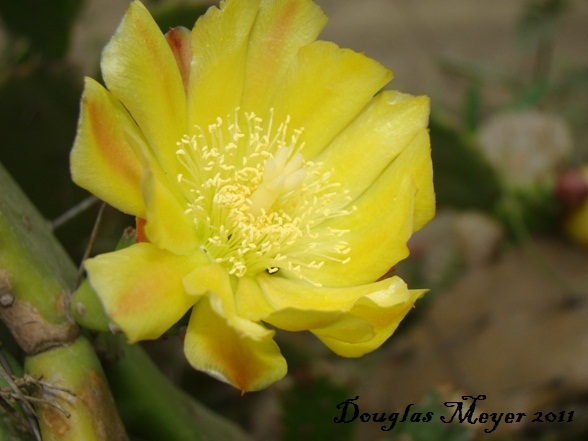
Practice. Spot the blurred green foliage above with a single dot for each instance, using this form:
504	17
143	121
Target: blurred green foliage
45	25
540	21
463	179
308	407
38	112
178	15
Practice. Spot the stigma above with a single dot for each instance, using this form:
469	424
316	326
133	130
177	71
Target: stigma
280	175
255	201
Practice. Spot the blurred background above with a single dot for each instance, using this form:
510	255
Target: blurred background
506	257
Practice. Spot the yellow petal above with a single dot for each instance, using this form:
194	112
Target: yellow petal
250	302
360	153
285	303
325	88
281	28
224	352
140	70
214	280
299	306
219	47
384	219
106	157
222	342
141	288
383	311
213	277
419	161
166	224
351	328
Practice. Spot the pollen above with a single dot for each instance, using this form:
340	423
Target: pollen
257	204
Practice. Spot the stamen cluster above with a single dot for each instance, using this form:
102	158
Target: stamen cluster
255	201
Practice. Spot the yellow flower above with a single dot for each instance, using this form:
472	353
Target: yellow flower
273	186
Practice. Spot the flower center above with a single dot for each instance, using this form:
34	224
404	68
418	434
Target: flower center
257	204
280	175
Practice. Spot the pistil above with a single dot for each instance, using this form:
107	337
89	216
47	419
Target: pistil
280	176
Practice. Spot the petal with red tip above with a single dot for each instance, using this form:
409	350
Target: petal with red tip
179	40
